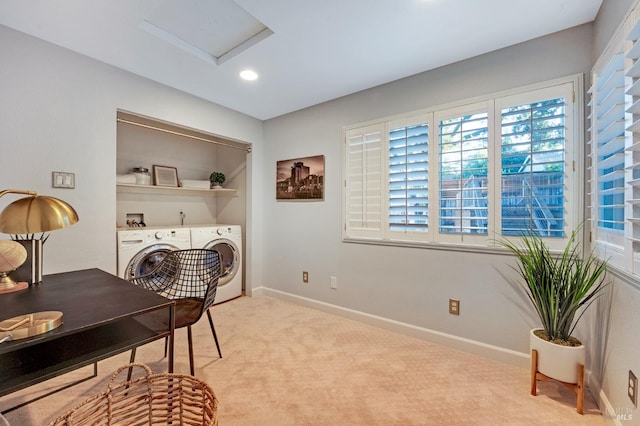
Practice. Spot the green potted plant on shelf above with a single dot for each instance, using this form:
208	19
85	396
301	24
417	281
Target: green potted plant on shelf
560	287
216	179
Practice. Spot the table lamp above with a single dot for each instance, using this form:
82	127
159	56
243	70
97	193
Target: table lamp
28	216
12	256
35	214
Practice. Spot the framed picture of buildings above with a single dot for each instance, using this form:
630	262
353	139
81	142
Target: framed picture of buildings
300	179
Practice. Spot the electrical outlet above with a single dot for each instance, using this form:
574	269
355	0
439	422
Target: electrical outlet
454	306
632	390
305	277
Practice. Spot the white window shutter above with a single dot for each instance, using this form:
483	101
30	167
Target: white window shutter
608	158
536	172
408	179
632	163
463	163
364	181
466	174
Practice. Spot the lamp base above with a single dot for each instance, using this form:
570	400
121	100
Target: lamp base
7	285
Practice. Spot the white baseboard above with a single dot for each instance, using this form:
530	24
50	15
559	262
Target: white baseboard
508	356
259	291
608	412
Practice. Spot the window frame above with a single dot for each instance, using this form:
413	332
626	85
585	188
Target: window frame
574	140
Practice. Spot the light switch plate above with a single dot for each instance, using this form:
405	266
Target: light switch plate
63	180
454	306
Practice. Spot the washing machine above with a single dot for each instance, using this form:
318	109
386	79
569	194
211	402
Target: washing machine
226	240
140	249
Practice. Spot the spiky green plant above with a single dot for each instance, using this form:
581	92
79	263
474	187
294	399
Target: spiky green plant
559	286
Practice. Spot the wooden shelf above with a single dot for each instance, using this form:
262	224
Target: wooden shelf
152	189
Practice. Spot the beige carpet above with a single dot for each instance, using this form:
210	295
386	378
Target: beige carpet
286	364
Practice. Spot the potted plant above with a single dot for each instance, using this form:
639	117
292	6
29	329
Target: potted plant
560	287
216	179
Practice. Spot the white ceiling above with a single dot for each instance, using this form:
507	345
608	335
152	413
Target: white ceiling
305	51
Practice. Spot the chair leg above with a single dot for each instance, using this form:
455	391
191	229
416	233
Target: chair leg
166	345
213	330
190	337
132	359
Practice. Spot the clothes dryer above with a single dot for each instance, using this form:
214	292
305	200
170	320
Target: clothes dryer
140	249
227	241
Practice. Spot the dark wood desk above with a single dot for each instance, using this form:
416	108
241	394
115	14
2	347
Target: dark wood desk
103	315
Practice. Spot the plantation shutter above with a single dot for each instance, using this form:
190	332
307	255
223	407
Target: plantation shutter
610	155
463	174
533	163
364	180
632	211
470	173
607	158
615	149
408	178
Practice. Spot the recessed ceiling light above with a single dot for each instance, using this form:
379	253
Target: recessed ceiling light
248	75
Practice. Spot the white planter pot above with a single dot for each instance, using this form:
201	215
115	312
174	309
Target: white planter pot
557	361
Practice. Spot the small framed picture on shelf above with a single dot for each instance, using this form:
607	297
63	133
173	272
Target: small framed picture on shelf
165	176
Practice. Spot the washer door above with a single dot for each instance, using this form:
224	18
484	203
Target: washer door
146	259
229	259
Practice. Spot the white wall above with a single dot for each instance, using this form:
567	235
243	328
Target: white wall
410	285
613	327
610	15
58	113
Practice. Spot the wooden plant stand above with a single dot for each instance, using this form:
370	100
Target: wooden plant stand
577	388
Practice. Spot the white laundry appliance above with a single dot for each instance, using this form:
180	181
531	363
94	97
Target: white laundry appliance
227	241
140	249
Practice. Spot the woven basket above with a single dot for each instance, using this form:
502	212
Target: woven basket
154	399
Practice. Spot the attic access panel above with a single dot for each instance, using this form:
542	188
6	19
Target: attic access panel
214	30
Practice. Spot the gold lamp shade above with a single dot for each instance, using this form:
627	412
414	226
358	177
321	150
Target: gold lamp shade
35	214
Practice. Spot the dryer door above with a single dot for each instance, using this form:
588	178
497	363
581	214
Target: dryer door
146	259
229	259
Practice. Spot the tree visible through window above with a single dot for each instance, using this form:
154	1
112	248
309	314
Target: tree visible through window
533	168
463	174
